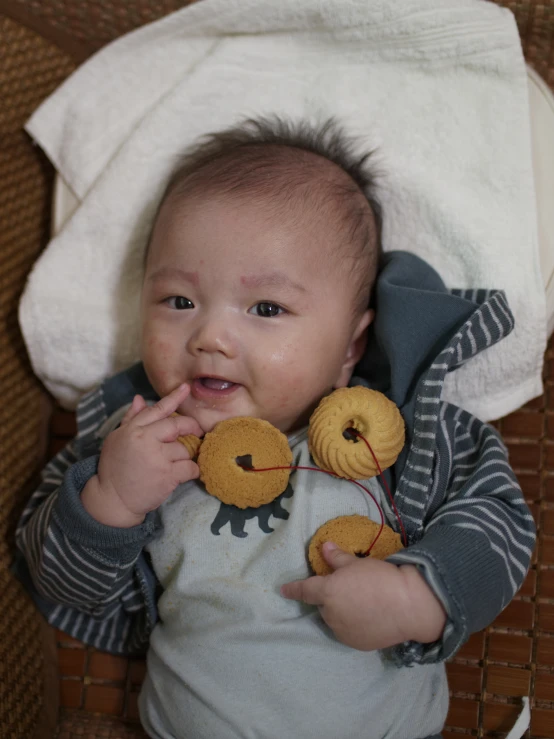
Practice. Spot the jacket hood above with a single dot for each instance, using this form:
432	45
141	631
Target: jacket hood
420	332
415	317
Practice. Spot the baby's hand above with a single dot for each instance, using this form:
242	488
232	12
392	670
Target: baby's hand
141	462
371	604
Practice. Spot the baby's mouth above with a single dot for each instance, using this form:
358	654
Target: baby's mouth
215	384
212	387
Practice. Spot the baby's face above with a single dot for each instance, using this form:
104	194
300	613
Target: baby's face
254	312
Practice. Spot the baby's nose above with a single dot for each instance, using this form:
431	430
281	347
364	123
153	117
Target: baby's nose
212	336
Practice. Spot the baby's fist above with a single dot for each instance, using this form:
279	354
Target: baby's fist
142	462
367	603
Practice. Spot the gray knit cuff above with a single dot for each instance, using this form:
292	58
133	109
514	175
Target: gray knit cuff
468	578
79	526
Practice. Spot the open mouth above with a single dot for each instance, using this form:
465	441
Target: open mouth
212	387
214	383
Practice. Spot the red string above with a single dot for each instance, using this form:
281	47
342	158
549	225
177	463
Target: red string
395	509
317	469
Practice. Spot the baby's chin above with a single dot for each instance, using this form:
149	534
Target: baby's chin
207	418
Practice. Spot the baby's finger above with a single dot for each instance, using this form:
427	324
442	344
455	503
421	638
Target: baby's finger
184	447
136	406
177	452
311	591
186	470
335	556
168	429
165	406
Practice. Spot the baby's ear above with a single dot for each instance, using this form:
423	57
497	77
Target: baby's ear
356	348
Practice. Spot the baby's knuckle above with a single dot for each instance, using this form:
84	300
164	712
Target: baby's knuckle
137	434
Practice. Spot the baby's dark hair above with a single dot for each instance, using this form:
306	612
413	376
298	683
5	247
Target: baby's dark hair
284	163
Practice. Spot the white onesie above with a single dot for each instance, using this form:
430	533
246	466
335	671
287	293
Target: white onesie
231	658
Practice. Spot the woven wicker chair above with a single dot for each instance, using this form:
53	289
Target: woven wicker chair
51	685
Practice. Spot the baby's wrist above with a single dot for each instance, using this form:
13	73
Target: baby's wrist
106	507
425	617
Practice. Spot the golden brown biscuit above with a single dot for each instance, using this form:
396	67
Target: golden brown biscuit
260	445
354	534
370	413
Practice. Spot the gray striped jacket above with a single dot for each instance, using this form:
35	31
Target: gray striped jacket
469	529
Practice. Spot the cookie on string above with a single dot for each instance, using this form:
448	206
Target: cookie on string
368	412
236	446
354	534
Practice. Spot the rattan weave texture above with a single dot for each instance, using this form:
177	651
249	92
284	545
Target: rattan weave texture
535	20
30	69
84	27
514	657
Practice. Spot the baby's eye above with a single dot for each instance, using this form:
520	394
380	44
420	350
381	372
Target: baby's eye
179	302
266	310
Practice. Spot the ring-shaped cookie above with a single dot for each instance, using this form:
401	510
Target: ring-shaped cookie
372	415
252	438
354	534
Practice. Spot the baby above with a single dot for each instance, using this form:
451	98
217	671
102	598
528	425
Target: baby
259	274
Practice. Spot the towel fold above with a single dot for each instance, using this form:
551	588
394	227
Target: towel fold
437	86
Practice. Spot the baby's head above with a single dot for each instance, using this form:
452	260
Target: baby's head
259	271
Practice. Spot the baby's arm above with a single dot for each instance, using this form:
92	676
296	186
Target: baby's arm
89	578
471	560
91	587
478	537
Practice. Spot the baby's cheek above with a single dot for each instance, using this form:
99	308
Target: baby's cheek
157	356
294	390
283	401
159	350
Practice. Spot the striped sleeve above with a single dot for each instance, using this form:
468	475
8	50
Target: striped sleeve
89	580
478	533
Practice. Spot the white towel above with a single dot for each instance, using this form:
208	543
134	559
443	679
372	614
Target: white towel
439	86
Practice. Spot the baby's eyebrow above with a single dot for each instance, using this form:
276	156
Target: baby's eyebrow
164	273
272	279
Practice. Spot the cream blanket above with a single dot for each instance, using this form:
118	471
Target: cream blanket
439	86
